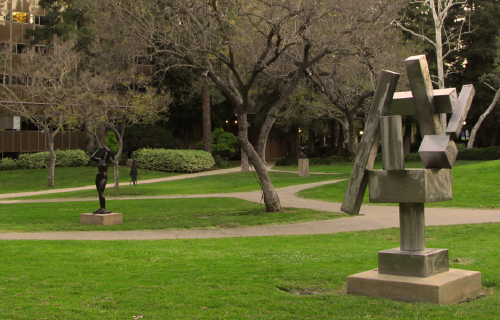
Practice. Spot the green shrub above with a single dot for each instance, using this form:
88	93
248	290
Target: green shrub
71	158
412	157
223	143
64	158
223	163
291	161
287	161
173	160
490	153
8	164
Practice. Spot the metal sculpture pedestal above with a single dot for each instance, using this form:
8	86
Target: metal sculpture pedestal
101	219
411	272
303	167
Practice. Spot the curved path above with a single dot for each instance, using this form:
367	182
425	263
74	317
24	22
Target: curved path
371	217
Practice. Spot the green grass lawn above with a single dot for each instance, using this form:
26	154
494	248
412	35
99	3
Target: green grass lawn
475	185
37	179
231	182
160	214
285	277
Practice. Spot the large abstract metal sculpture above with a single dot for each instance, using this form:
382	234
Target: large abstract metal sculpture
411	272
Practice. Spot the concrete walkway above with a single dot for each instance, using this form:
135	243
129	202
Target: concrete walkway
371	217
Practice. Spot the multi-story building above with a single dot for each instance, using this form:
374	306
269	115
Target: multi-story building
18	136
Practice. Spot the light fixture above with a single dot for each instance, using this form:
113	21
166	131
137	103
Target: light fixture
235	121
361	132
227	121
300	130
465	122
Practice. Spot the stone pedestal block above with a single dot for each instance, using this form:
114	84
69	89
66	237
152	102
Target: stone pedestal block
101	219
422	264
303	167
444	288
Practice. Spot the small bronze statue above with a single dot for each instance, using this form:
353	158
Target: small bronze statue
133	174
102	176
303	154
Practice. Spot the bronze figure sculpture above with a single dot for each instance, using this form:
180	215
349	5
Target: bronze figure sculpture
101	178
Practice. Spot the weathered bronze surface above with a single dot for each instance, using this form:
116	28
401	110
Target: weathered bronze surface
438	151
102	175
410	185
421	264
133	173
391	129
368	147
403	103
463	105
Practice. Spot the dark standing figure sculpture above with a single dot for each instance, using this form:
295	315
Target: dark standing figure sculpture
133	173
102	176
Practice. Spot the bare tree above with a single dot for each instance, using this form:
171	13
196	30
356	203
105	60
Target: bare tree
492	105
43	90
238	41
445	40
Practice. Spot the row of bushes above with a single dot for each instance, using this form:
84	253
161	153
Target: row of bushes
173	160
490	153
40	160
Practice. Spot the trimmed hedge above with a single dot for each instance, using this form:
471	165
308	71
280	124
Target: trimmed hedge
291	161
40	160
8	164
173	160
490	153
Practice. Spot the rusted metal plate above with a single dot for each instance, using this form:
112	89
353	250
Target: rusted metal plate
367	149
410	185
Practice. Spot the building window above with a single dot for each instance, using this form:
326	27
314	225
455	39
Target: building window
22	17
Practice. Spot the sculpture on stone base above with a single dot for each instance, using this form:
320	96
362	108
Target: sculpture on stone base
411	272
101	156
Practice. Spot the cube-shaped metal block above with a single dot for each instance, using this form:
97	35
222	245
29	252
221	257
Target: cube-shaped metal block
410	185
421	264
438	151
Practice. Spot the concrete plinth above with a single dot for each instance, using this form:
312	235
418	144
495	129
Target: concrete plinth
444	288
101	219
303	167
422	264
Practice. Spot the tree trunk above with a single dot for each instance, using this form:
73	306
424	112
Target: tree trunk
245	165
119	136
52	163
102	134
340	139
271	198
333	136
117	173
349	131
481	119
207	124
89	136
